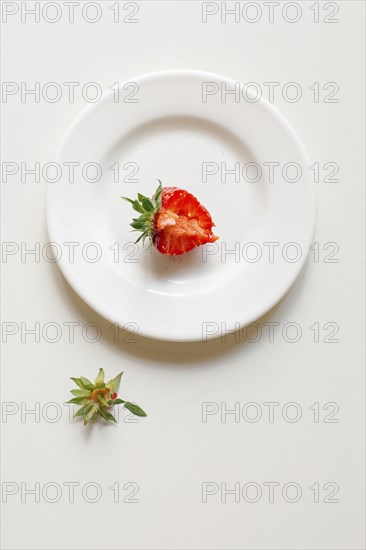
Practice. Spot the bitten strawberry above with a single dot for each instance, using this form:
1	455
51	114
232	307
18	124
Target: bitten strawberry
173	220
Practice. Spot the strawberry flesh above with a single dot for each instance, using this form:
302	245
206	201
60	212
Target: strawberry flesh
181	223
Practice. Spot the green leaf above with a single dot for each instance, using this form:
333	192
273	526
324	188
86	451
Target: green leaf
128	200
157	194
114	383
135	409
148	205
81	393
78	382
118	401
77	400
107	416
144	218
142	236
135	204
83	410
102	400
142	197
83	383
100	378
138	225
88	385
89	415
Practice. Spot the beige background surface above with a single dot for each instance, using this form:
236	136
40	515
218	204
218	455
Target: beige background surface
172	452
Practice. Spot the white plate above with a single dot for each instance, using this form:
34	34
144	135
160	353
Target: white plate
169	132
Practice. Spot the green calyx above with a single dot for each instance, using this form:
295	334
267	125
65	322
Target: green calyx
96	399
147	208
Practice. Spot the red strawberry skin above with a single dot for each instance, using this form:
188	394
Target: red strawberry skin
181	224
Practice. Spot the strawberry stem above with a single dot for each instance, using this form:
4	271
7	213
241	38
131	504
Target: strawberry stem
147	208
